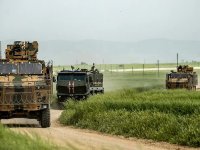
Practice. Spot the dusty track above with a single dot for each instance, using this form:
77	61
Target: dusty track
83	139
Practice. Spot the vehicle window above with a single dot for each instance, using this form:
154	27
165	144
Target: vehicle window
79	77
64	77
20	68
179	75
8	68
30	68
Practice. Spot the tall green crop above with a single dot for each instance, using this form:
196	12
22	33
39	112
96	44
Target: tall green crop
162	115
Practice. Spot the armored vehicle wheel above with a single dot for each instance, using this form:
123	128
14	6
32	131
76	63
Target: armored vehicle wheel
62	98
86	96
45	118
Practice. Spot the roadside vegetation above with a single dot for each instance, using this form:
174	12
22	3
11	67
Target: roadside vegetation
10	140
150	113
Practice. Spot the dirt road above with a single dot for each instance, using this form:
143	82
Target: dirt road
70	138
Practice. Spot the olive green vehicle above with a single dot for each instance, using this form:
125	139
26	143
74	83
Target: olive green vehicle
78	84
185	77
25	84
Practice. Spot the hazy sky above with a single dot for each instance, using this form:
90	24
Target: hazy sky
127	21
113	20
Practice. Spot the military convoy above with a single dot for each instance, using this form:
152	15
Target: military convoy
185	77
25	84
78	84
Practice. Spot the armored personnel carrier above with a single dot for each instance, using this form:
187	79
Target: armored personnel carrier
25	84
185	77
78	84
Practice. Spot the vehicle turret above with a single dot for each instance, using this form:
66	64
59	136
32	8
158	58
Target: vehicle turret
22	50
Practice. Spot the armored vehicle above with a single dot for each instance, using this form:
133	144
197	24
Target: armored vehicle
96	81
25	84
72	84
185	77
78	84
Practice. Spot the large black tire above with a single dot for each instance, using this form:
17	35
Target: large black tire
45	118
59	98
62	98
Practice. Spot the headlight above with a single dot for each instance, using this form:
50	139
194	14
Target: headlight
44	106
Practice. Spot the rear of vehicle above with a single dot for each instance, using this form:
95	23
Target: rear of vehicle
25	91
72	84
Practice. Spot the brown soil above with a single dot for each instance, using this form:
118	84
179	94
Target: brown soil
71	138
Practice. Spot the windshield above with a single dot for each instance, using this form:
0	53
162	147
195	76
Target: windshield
174	75
79	77
20	68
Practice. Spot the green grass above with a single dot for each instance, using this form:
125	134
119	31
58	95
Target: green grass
126	66
137	105
172	116
10	140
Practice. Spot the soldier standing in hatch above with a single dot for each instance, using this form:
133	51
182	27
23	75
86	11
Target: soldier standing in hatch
92	68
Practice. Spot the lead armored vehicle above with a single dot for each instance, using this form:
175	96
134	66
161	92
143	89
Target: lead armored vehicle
25	84
78	84
185	77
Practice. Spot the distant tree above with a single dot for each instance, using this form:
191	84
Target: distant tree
121	66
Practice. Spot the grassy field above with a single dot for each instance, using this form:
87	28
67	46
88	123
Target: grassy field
136	104
115	81
161	115
107	67
10	140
